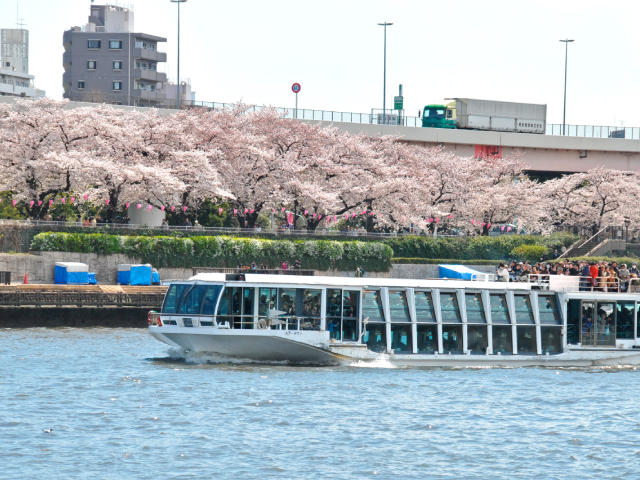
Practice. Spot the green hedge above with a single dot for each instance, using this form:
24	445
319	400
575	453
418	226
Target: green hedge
436	261
532	253
467	248
223	251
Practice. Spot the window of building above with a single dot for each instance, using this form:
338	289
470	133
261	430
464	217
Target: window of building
117	85
115	44
94	44
117	65
140	44
91	65
81	84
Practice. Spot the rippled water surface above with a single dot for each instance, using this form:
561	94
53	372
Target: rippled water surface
113	404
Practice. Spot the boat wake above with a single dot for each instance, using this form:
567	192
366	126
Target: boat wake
380	361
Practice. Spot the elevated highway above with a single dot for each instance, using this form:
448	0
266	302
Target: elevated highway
545	154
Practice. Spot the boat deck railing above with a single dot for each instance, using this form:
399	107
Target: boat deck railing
584	284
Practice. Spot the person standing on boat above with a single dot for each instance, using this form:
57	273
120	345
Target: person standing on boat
502	273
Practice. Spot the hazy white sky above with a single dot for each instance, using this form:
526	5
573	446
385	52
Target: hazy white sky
253	50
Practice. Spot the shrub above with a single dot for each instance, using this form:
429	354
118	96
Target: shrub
532	253
220	251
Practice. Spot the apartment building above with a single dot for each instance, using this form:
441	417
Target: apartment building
14	65
107	62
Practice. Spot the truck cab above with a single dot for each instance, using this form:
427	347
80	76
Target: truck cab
438	116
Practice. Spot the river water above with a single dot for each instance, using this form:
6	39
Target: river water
117	404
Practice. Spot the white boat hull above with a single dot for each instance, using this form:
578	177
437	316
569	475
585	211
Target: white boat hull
314	348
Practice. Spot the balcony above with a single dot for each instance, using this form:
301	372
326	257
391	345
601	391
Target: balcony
149	54
152	75
149	96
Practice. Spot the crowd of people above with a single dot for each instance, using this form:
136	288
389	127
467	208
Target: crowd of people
601	276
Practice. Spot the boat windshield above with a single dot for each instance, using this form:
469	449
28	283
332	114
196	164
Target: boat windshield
193	299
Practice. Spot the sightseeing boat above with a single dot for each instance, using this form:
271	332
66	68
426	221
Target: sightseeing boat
328	320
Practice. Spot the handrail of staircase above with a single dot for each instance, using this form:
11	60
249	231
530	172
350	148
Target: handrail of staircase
585	242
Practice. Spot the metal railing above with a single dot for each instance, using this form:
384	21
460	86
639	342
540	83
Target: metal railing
587	284
555	129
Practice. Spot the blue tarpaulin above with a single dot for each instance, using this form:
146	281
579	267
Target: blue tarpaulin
140	275
461	272
67	273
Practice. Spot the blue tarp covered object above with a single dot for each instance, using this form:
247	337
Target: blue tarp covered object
140	275
461	272
67	273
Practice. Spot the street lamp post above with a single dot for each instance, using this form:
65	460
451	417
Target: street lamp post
384	77
178	86
566	42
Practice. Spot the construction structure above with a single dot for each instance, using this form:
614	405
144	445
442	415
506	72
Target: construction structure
15	79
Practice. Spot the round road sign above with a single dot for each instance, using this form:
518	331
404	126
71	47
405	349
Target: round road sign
295	88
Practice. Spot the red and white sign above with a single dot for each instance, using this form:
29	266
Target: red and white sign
295	88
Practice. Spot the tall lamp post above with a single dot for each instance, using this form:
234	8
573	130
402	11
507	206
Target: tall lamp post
384	77
178	87
566	42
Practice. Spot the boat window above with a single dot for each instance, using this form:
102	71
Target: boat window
375	337
173	296
452	338
398	307
605	325
547	307
527	339
424	307
334	306
236	307
524	314
350	300
638	321
502	341
475	310
311	303
287	302
449	308
551	339
624	320
372	306
499	309
427	338
192	301
210	299
267	300
573	322
477	341
401	338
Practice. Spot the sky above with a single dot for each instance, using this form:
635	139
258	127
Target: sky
254	50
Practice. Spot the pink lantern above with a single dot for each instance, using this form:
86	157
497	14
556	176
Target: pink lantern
73	199
319	216
251	210
353	215
39	202
31	204
502	228
162	208
127	204
0	200
346	216
50	202
488	225
508	229
314	215
14	202
282	209
139	206
173	208
306	212
473	222
483	224
246	210
63	200
335	218
85	196
450	216
437	220
235	212
184	209
273	210
108	200
220	211
149	207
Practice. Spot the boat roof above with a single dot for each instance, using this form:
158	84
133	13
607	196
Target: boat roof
358	282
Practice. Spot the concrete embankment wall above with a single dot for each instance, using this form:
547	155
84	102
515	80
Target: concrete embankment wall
39	267
50	317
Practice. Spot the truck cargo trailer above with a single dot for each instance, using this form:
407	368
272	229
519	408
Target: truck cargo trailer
491	115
